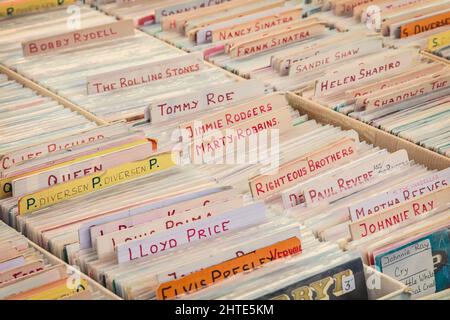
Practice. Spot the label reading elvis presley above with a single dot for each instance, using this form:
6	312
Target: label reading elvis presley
421	264
211	275
343	282
308	165
95	182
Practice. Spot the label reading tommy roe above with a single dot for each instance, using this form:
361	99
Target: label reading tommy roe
209	98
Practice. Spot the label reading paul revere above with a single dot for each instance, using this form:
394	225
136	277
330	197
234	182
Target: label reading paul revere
209	98
77	38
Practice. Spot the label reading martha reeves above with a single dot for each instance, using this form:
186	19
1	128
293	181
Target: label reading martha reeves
78	38
208	98
300	169
425	24
420	264
145	74
360	72
14	7
417	188
214	274
400	214
95	182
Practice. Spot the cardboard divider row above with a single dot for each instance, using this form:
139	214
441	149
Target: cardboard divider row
47	93
95	286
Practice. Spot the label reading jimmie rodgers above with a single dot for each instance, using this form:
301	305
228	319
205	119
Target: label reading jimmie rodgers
77	38
300	169
95	182
212	97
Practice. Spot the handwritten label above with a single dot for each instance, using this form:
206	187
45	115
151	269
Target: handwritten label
172	210
222	143
78	38
400	214
14	8
234	115
21	271
184	7
12	159
402	94
82	166
414	189
95	182
145	74
438	40
236	219
209	98
412	266
360	72
276	40
425	24
107	243
338	54
214	274
350	180
307	166
280	16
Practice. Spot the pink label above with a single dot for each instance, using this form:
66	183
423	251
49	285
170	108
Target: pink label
78	38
